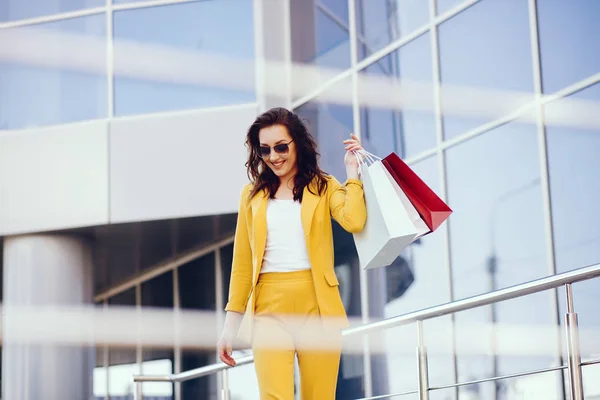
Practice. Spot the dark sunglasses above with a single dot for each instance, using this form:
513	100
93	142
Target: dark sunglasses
281	148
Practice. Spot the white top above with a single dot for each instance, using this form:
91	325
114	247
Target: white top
285	250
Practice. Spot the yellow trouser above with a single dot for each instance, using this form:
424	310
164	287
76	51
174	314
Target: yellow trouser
287	322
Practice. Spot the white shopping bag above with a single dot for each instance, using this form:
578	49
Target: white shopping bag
416	219
389	227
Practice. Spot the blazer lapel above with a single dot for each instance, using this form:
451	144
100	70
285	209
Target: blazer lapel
309	204
259	223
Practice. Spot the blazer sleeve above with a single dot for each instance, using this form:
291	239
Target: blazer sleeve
241	269
347	204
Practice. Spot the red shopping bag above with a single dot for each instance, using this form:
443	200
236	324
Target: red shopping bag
430	207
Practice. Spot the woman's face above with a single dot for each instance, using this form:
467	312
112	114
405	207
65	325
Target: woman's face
278	151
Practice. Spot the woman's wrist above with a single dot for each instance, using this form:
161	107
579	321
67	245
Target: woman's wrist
232	322
352	171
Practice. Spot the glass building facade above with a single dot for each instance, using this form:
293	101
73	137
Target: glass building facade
494	103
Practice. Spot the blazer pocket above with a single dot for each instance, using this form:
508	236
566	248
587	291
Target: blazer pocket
331	278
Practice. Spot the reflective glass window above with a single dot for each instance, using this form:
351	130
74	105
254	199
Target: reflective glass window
116	254
202	55
591	377
537	386
380	22
201	388
43	84
447	5
11	10
569	46
573	161
156	242
485	61
320	43
197	284
396	99
330	123
498	240
226	254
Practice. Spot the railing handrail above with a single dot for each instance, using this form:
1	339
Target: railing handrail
512	292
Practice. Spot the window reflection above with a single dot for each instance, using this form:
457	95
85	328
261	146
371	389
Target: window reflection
192	32
226	262
320	40
591	388
574	189
498	240
388	128
12	10
156	242
447	5
569	47
330	123
202	388
197	284
485	73
381	22
34	93
538	386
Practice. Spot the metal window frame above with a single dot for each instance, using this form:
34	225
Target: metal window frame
544	171
363	274
441	162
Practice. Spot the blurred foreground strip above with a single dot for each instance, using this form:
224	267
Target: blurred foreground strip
128	326
45	48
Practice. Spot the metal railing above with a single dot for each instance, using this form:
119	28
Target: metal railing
573	366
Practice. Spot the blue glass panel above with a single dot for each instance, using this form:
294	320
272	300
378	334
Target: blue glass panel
388	127
569	45
447	5
320	41
381	22
330	124
485	56
190	31
46	85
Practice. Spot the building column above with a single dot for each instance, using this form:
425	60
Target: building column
49	272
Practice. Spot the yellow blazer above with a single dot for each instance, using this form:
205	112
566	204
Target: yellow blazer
345	203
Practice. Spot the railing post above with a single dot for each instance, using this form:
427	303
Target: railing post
573	350
423	374
225	394
137	390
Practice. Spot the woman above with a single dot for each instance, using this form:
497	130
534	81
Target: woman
282	278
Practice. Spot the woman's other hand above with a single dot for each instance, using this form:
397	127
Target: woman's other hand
225	348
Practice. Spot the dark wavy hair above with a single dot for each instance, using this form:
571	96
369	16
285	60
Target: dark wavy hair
307	156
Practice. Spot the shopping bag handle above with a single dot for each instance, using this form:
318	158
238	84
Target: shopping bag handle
361	161
369	156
